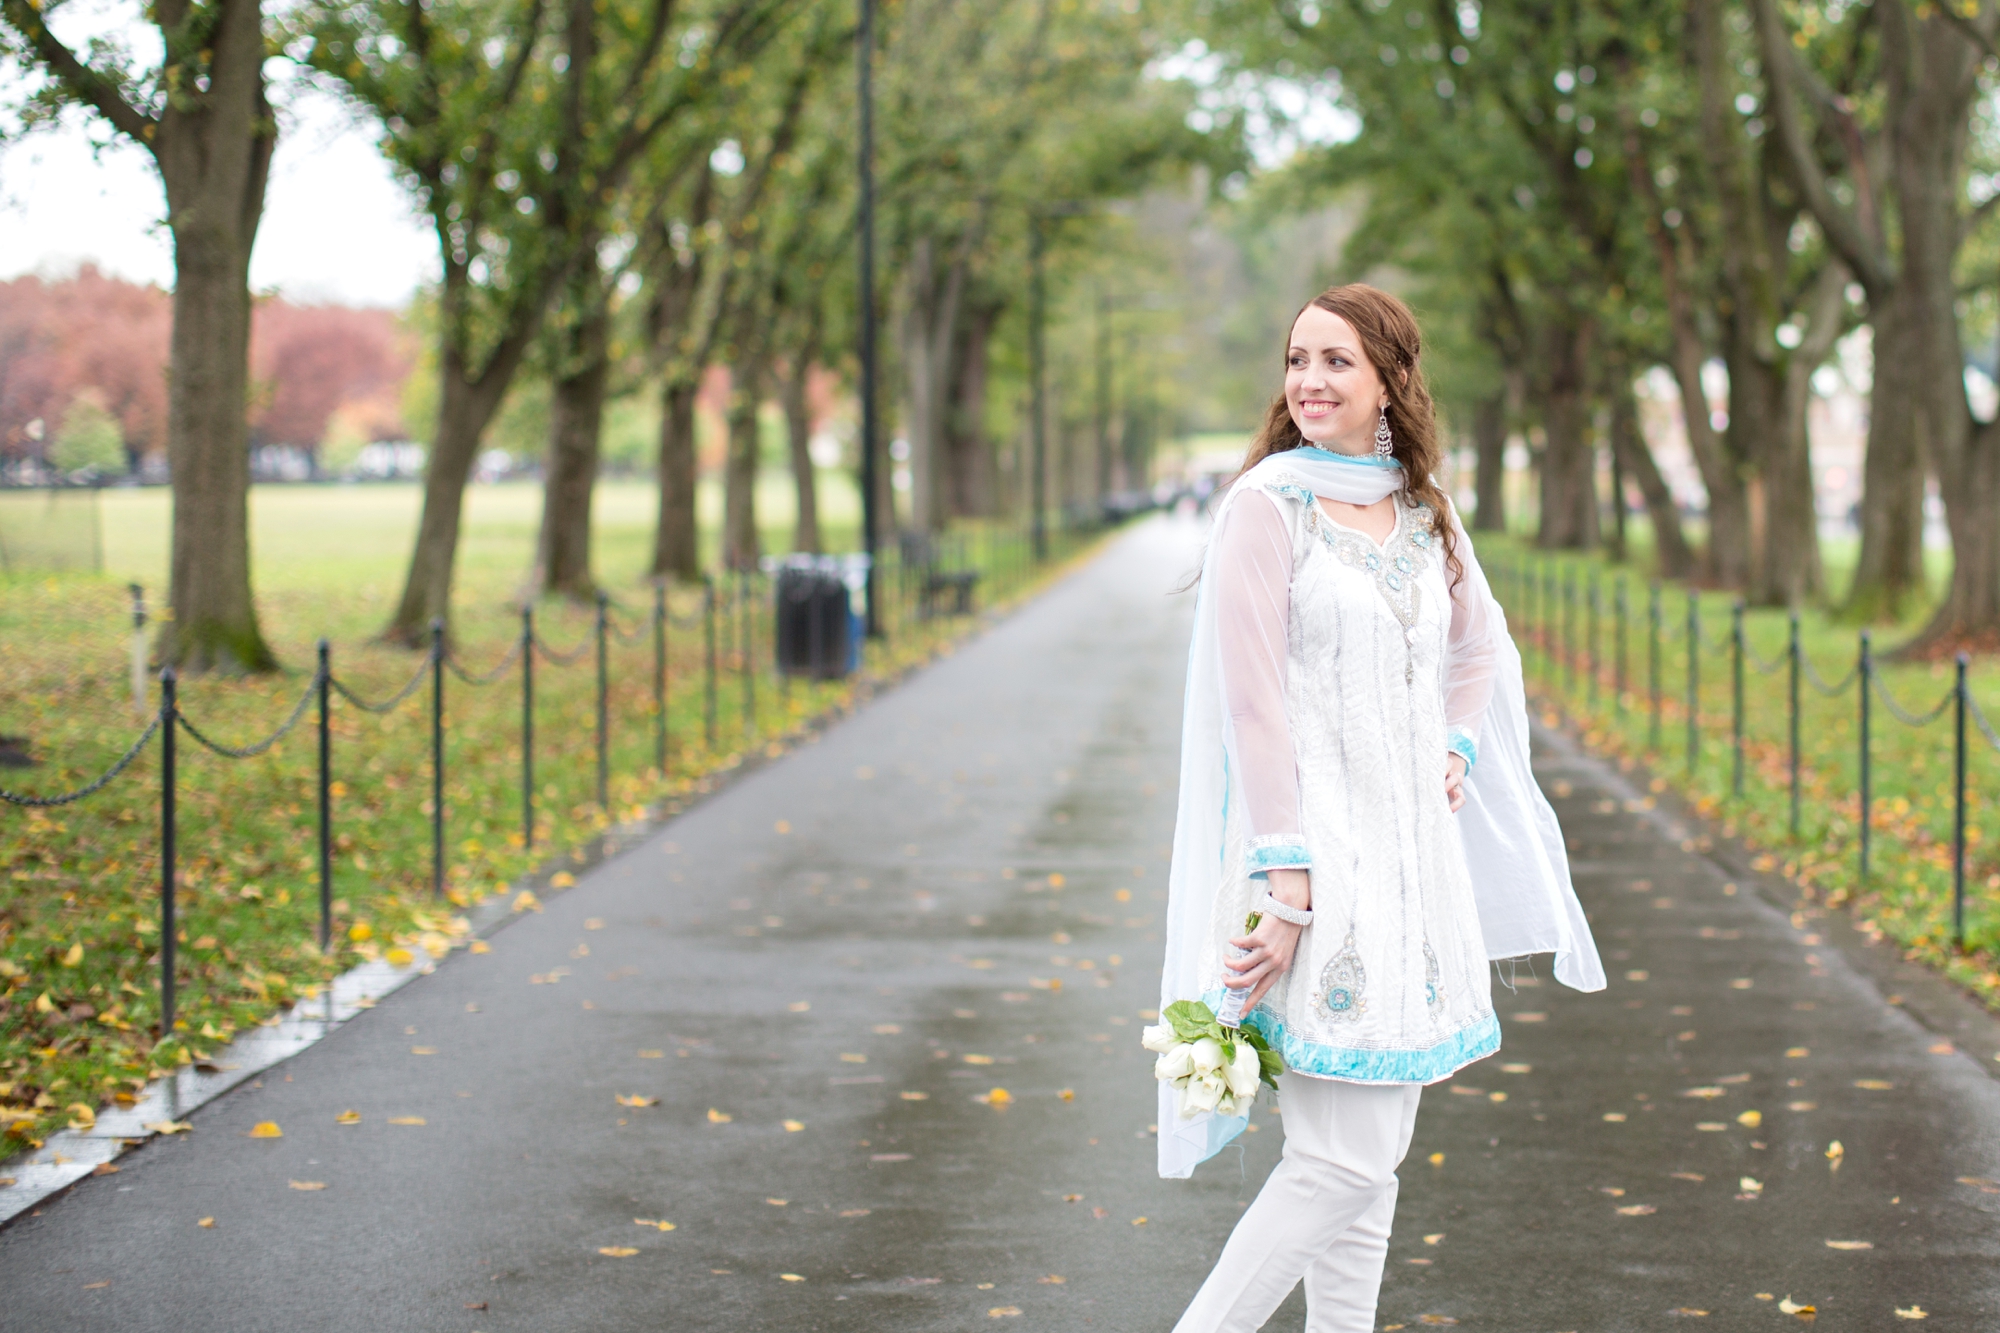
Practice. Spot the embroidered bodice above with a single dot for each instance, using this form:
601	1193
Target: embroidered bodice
1350	669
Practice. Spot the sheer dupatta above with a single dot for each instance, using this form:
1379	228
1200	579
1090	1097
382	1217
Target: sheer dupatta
1235	748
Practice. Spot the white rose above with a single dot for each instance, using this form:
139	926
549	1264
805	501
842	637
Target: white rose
1177	1063
1230	1105
1201	1093
1208	1055
1242	1075
1160	1039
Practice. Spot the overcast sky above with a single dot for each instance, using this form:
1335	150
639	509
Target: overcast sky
336	225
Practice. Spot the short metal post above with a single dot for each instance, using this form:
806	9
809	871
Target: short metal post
746	615
603	710
325	688
1736	697
528	728
710	702
1797	664
437	758
1618	668
1653	665
1568	583
169	724
1864	673
1694	681
1958	809
138	656
660	678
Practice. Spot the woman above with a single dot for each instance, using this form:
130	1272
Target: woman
1350	671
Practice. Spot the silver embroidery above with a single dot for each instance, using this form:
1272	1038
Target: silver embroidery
1342	983
1433	985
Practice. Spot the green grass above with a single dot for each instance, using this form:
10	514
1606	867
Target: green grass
1907	895
79	885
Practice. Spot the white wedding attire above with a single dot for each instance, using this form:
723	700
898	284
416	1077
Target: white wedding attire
1329	677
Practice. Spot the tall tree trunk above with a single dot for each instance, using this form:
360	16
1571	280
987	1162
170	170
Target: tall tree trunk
798	435
932	292
1889	570
1788	571
970	480
214	158
1569	463
1489	439
465	407
1671	553
576	421
676	551
739	477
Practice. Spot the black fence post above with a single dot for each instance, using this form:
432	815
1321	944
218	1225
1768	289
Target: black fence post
325	687
603	710
746	616
528	727
1566	582
1736	697
437	758
1865	673
1694	681
1618	670
1958	808
169	724
710	702
1653	664
1799	663
660	679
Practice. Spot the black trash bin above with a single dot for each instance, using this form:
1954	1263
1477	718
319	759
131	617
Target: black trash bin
815	629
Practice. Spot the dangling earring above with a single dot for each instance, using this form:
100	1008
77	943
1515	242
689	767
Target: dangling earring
1383	439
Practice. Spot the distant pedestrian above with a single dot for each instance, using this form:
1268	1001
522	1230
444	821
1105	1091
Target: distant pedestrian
1349	670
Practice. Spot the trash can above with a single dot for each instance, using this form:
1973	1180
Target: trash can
816	635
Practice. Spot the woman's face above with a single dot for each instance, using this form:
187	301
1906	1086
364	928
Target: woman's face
1333	391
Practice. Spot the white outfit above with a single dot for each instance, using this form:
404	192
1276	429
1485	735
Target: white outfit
1324	1212
1328	679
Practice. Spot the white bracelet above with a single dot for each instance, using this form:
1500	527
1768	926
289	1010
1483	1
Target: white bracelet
1297	916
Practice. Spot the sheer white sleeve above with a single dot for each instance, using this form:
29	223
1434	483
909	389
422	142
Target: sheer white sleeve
1253	595
1472	652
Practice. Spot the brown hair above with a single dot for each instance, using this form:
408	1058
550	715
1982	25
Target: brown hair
1392	343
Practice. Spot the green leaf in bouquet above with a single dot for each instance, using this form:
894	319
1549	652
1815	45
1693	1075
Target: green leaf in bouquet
1191	1020
1269	1065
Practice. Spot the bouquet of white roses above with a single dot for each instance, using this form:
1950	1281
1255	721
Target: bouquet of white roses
1211	1067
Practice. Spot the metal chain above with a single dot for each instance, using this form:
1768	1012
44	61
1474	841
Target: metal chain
583	650
416	681
256	747
69	798
1979	716
500	669
1758	664
1901	714
1818	682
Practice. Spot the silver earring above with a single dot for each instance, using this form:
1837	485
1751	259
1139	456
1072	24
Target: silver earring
1383	439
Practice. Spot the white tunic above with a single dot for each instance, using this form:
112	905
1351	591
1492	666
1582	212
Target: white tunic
1350	670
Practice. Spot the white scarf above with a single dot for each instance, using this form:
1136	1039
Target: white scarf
1513	845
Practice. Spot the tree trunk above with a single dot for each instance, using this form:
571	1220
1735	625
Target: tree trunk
214	157
1672	557
1788	571
926	334
676	551
739	478
576	422
465	407
798	434
969	482
1890	568
1489	438
1569	463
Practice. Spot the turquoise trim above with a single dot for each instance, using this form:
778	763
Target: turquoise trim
1460	743
1277	854
1320	455
1361	1066
1293	491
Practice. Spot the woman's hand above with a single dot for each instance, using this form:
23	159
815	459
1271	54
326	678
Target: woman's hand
1272	945
1454	779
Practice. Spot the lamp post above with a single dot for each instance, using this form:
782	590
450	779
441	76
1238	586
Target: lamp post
864	51
1037	372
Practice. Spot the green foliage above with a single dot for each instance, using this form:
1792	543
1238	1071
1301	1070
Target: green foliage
88	439
1192	1020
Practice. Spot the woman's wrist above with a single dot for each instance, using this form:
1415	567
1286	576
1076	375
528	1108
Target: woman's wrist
1293	888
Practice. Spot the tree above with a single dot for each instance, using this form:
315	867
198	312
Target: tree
88	439
202	115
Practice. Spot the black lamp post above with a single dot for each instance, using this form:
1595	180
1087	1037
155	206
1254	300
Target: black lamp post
864	51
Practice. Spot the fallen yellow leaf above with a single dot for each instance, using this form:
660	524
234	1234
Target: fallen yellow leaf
82	1115
856	1212
1834	1152
308	1184
914	1096
266	1129
1437	1159
562	879
1139	1221
208	1222
1056	880
652	1055
1434	1238
1706	1093
399	957
794	1126
1637	1210
167	1126
790	1277
636	1099
1873	1084
1797	1053
1750	1186
777	1203
423	1050
360	932
406	1120
1004	1311
978	1059
479	946
1750	1119
1067	1094
799	1006
1789	1307
617	1251
593	923
999	1097
74	956
851	1058
1614	1117
1053	1281
650	1222
43	1004
1914	1312
1850	1245
526	901
348	1118
716	1117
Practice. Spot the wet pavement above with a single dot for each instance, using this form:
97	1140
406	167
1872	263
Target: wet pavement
824	972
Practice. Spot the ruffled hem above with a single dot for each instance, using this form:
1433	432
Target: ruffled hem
1348	1064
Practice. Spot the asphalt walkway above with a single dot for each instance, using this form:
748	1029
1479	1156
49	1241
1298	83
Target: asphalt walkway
887	994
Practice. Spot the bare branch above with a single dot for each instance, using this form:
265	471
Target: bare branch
85	84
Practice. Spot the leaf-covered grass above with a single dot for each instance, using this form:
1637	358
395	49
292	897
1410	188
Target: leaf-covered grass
1907	895
79	885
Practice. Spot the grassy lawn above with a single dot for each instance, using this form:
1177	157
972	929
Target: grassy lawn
1907	895
79	885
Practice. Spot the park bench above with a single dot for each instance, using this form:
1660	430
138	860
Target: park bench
936	580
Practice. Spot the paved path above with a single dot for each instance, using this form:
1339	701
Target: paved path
819	973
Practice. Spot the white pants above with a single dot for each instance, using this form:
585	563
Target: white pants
1323	1215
